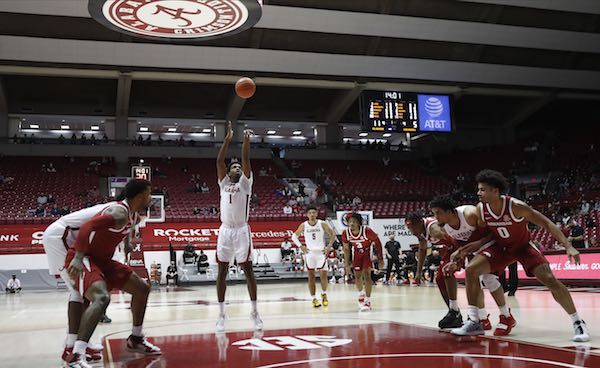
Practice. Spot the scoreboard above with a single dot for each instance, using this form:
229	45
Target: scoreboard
404	112
141	172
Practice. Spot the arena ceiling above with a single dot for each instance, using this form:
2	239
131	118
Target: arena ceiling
506	62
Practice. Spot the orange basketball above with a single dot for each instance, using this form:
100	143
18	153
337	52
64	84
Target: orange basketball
245	87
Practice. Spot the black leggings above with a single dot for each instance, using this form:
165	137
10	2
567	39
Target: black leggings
391	262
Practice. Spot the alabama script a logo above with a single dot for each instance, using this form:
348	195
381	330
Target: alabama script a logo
177	20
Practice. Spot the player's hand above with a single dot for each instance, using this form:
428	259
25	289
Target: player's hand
449	268
573	255
229	135
304	249
75	268
247	134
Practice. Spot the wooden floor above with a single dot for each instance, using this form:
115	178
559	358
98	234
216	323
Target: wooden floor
402	328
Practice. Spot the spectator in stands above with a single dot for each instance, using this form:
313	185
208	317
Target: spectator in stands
410	265
594	243
356	201
432	263
51	168
386	160
104	138
286	249
262	171
51	198
55	211
302	187
93	140
197	187
189	254
292	202
13	285
202	262
597	205
585	207
42	199
301	200
197	211
576	235
172	274
590	223
65	210
287	209
204	188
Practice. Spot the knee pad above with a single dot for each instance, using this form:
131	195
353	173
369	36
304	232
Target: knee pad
76	297
490	282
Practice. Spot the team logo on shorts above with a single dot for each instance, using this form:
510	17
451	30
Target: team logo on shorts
177	20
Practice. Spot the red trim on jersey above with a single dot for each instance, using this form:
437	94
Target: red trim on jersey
501	212
249	258
82	244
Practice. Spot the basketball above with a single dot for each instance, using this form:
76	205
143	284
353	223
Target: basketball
245	87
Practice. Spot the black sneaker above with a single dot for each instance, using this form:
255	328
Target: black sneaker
105	319
453	319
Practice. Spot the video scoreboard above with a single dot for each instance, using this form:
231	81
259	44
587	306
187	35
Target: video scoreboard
405	112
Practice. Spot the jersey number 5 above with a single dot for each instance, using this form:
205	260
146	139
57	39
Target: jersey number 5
503	232
314	236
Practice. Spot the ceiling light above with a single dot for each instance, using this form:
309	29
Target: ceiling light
271	131
95	127
207	130
172	129
143	129
385	135
63	121
34	126
297	132
65	127
363	134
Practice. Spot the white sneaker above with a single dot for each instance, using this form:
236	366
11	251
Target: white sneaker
258	323
469	328
139	344
221	323
76	361
582	334
366	306
94	346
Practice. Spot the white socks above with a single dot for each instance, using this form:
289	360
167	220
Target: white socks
313	296
137	331
473	313
80	347
222	308
453	304
504	311
253	302
483	314
70	340
575	317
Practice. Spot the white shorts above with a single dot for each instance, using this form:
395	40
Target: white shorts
234	243
316	261
56	240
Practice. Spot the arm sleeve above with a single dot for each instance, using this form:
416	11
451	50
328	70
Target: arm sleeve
296	240
82	243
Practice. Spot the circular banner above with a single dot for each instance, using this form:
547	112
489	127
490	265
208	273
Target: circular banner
177	20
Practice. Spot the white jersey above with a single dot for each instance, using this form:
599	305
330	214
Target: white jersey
314	236
464	231
235	200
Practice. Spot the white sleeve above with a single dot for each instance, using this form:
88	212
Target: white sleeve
224	182
246	183
18	283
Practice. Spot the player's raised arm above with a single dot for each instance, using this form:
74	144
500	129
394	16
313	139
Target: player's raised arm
296	238
522	209
246	168
221	167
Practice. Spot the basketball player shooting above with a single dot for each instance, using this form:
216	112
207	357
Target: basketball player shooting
235	238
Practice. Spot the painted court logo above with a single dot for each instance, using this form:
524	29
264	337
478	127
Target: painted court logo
177	20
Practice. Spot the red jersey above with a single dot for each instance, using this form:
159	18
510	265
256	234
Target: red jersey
103	241
509	230
363	241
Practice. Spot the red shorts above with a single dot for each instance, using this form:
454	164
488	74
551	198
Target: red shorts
500	257
114	273
362	259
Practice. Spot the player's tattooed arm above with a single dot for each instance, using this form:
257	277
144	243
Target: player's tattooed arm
523	210
221	167
119	214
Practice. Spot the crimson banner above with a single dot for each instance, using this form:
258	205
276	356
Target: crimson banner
589	269
155	235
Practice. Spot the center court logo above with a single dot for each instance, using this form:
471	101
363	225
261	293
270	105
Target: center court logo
177	20
434	107
281	343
